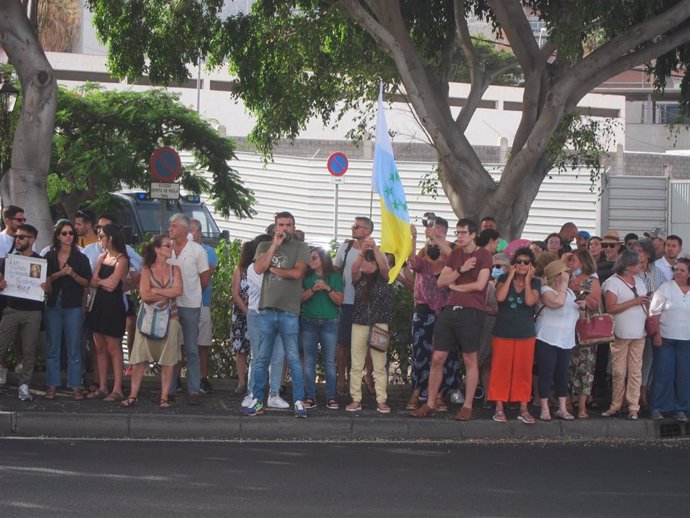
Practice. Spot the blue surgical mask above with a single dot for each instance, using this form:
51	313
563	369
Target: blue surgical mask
577	272
496	272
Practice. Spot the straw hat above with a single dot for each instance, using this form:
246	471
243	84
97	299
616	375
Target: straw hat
611	236
554	268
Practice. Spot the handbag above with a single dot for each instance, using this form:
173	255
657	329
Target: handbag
379	338
153	321
594	328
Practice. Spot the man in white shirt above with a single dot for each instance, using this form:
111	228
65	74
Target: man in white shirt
672	249
14	217
196	274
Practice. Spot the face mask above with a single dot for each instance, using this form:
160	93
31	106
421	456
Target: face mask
496	272
576	272
433	252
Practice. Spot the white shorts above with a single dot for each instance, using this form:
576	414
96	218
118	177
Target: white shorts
205	328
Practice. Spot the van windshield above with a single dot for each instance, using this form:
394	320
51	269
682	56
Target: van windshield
150	217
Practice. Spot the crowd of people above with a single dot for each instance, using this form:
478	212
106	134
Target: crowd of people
490	318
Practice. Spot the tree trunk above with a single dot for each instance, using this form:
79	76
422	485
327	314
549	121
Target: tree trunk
510	207
26	181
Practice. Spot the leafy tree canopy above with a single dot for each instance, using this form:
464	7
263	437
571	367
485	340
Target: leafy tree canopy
296	59
103	140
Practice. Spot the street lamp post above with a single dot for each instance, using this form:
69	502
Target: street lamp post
8	95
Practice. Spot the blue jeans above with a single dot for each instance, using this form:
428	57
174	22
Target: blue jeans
59	320
325	332
671	381
189	320
274	323
277	358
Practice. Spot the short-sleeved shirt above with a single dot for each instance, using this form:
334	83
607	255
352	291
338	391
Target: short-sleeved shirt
192	261
320	304
628	324
283	294
515	318
69	290
212	261
474	299
345	264
376	308
426	288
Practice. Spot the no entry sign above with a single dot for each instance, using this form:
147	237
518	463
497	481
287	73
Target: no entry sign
165	164
337	163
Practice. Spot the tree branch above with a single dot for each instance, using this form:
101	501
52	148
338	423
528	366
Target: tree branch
428	100
602	58
674	39
513	22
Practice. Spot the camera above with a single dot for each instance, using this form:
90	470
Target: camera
369	255
286	237
429	219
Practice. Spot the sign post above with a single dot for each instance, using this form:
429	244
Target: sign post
337	165
166	167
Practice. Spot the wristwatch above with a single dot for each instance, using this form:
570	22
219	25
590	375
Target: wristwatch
459	270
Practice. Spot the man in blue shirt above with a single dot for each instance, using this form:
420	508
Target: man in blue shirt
205	324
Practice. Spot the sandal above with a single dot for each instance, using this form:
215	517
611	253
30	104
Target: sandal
500	416
129	402
526	417
93	387
165	403
412	403
114	397
565	416
582	414
96	394
50	393
78	395
545	415
333	404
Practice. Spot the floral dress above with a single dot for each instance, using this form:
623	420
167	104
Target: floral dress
240	338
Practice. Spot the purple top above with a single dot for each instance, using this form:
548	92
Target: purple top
426	289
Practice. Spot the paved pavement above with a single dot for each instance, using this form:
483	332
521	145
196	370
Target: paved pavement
131	478
220	417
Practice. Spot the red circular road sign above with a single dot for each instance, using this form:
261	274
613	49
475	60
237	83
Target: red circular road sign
337	163
165	164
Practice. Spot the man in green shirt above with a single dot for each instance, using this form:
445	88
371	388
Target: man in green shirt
283	262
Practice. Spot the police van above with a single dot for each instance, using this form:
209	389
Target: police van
140	216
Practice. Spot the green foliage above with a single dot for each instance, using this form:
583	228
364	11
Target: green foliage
221	360
579	143
400	351
103	140
429	183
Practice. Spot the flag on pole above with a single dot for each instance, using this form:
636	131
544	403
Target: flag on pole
396	237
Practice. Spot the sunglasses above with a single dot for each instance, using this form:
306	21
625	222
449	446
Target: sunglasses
166	245
314	257
523	261
609	245
19	237
21	220
67	233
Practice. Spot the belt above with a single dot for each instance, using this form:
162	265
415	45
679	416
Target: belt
455	308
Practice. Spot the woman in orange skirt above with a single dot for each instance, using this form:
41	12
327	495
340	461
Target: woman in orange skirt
517	293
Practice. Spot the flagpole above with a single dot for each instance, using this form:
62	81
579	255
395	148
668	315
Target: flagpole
371	205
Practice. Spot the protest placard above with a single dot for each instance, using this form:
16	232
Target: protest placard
24	276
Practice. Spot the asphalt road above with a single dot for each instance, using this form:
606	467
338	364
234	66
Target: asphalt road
205	479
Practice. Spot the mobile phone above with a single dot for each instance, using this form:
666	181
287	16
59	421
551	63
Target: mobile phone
582	296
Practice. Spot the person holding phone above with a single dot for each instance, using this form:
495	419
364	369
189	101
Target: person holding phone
626	299
584	281
517	292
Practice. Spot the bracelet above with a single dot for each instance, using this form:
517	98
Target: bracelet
330	290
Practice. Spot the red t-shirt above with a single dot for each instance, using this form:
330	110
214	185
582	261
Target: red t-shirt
472	299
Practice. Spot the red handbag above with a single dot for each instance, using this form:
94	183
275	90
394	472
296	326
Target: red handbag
594	328
651	325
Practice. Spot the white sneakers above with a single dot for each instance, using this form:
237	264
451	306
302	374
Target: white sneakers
247	401
24	393
275	401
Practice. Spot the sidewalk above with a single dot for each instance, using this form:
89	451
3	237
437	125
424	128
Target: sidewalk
220	417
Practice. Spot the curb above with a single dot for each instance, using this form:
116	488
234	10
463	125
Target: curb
347	428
